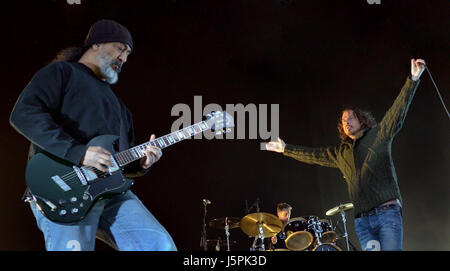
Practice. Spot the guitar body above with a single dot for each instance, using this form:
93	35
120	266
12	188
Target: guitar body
66	192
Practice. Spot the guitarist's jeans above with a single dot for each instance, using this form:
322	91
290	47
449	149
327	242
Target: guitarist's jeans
123	222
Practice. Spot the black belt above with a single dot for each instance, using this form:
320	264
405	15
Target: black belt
376	210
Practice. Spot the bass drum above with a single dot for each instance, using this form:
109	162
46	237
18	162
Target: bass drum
327	247
299	235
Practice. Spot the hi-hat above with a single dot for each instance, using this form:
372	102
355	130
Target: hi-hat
342	207
220	223
261	224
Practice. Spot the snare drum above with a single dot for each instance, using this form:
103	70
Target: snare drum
299	235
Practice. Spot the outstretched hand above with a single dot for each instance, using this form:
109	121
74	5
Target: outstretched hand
276	146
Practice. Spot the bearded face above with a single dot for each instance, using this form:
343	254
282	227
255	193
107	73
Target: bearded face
109	66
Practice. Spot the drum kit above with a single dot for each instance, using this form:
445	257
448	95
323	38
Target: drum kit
305	233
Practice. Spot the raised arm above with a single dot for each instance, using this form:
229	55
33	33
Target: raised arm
394	118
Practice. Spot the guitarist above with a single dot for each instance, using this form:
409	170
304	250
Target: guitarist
66	104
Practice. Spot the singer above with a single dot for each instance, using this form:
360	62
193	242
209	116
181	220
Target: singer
365	159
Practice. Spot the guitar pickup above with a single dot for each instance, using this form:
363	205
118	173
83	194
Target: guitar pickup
61	183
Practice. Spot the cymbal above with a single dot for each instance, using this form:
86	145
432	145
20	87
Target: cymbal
342	207
220	223
270	224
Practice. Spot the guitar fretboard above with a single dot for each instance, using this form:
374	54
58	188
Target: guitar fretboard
130	155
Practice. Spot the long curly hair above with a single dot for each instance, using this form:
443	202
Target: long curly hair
365	118
71	54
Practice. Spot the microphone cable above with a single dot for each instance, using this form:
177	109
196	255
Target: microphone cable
437	90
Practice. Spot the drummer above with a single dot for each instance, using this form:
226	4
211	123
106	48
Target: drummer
284	214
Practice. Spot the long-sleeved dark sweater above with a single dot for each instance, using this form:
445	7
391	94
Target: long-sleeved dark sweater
366	162
64	106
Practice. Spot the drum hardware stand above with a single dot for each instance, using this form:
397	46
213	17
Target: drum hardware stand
335	228
203	238
345	229
227	233
317	231
260	236
254	205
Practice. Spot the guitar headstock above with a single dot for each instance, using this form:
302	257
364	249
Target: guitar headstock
220	122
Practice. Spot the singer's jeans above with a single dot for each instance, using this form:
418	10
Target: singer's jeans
122	222
381	231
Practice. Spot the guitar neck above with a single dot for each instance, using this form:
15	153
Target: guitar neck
130	155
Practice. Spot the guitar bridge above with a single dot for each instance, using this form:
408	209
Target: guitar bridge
80	174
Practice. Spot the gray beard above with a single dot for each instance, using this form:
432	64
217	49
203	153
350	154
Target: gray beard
106	70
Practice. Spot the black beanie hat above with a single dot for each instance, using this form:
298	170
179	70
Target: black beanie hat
108	31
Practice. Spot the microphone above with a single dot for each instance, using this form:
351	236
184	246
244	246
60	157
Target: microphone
206	201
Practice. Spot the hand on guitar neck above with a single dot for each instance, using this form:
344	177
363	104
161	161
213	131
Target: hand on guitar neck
152	155
99	157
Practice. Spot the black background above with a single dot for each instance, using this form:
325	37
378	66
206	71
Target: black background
310	57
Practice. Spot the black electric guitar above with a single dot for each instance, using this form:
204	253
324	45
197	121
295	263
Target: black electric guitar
65	192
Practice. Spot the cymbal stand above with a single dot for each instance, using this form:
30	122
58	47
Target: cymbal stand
227	233
203	239
260	236
254	205
345	229
317	231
